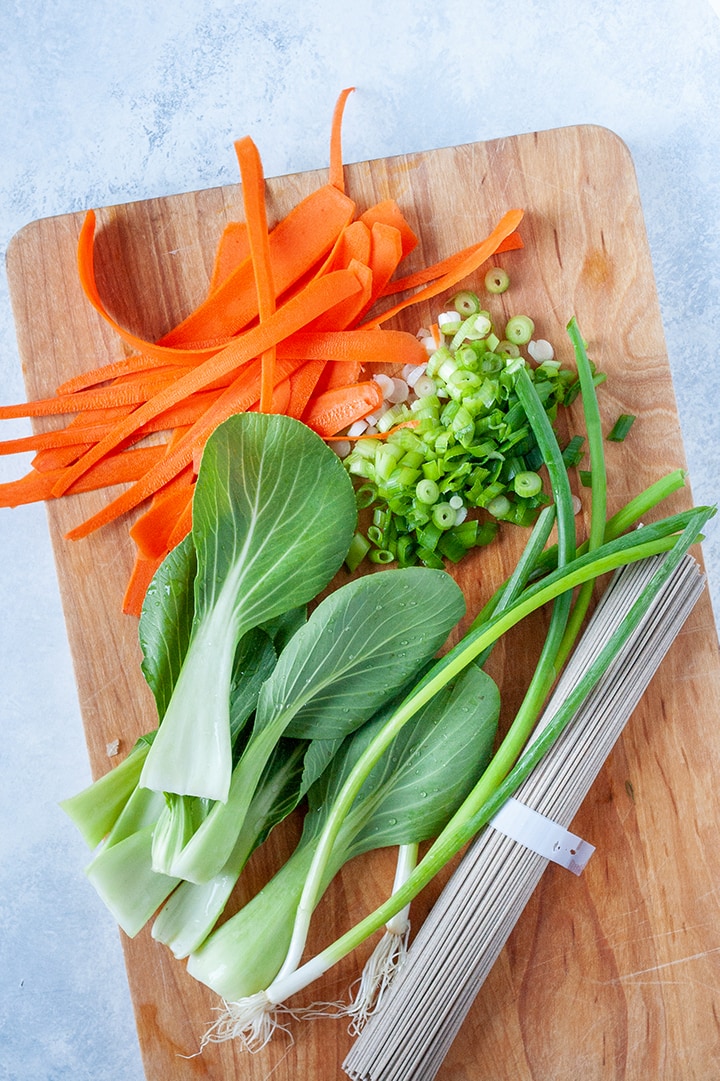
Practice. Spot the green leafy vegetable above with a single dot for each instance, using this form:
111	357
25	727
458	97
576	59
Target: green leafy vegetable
360	645
273	517
408	797
192	910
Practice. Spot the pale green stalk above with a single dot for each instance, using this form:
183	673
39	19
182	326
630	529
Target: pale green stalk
598	487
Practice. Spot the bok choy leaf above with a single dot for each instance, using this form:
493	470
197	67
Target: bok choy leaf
273	516
360	645
409	796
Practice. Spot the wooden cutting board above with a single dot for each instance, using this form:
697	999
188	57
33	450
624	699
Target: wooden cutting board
615	974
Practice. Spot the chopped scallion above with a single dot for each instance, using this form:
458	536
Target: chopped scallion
519	329
466	303
467	437
497	280
621	427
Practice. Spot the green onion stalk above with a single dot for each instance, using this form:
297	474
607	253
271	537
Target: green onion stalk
493	790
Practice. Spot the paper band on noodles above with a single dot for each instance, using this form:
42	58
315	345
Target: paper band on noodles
543	836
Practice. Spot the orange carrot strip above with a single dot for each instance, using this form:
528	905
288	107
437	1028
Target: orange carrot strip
122	468
336	174
302	385
421	277
353	243
141	576
297	243
240	396
389	213
86	273
182	527
232	250
463	266
51	457
59	437
281	397
365	346
292	316
62	447
151	531
345	313
342	373
253	189
117	369
181	415
128	369
144	568
57	458
279	400
116	395
386	251
334	410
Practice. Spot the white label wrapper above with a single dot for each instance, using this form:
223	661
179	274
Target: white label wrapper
542	835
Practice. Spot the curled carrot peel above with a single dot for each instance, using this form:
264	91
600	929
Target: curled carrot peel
289	323
253	187
316	298
334	410
337	172
466	263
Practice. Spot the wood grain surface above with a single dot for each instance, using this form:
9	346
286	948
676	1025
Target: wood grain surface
612	975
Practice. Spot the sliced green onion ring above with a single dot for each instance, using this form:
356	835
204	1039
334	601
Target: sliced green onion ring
497	280
519	329
527	484
466	303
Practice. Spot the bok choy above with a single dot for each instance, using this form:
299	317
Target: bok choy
273	518
360	645
408	796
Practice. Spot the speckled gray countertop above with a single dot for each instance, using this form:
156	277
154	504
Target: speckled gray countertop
104	103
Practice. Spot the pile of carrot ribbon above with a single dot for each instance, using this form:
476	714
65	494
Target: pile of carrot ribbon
287	326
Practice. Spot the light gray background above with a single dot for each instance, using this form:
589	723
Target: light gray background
107	102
